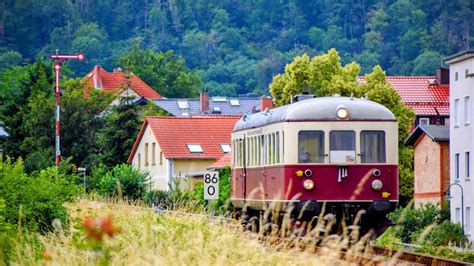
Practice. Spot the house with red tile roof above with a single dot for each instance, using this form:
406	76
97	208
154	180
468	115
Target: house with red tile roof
179	149
427	96
125	84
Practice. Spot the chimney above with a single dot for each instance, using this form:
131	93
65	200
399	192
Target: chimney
97	79
117	70
204	101
266	102
442	74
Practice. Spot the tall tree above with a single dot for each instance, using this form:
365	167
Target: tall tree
118	133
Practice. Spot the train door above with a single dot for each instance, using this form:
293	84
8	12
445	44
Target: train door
243	146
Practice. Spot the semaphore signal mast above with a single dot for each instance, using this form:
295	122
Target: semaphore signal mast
58	60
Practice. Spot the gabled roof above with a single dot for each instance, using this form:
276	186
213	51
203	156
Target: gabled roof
222	162
216	104
173	134
436	133
423	94
117	81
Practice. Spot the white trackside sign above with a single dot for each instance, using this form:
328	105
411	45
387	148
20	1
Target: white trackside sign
211	185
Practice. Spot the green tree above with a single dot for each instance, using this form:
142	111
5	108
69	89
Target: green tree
115	139
9	59
164	72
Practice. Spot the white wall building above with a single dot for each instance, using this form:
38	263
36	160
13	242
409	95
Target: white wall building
461	68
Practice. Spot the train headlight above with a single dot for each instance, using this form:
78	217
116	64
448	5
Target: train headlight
342	112
377	185
308	184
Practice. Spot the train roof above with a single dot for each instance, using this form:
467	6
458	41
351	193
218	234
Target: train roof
317	109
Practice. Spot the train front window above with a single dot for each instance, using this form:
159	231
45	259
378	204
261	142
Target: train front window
311	147
342	146
372	145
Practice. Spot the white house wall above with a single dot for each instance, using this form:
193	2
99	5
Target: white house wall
157	170
461	141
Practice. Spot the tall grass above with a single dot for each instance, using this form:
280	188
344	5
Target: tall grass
146	238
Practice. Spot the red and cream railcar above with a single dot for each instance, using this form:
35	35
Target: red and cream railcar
338	150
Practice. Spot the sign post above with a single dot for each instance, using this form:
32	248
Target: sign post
58	59
211	185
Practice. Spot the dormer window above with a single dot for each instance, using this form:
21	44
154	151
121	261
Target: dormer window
234	102
195	148
183	104
225	148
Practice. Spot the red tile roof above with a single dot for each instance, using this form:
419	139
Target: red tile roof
174	133
421	93
117	81
222	162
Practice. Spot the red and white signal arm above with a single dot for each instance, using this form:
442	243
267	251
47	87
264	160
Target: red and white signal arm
211	185
67	56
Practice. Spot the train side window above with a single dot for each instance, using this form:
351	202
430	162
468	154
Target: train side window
342	146
277	142
311	147
372	145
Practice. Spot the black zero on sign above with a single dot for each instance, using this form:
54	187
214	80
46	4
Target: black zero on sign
209	190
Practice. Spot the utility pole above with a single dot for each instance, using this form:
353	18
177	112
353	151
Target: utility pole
58	60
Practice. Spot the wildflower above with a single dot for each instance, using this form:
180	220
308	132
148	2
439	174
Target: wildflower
45	255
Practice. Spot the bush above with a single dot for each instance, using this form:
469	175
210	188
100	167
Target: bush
412	221
35	201
445	234
194	198
124	181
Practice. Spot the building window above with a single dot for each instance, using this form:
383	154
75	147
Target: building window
146	154
467	110
456	165
139	160
310	147
468	165
424	121
153	151
456	112
458	215
456	76
161	158
234	102
446	122
225	148
183	104
468	221
195	148
466	73
372	146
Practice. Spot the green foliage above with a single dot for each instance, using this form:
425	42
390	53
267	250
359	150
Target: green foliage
118	133
411	222
124	181
9	59
35	201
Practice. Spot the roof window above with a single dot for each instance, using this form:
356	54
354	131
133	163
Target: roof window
225	148
234	102
195	148
216	110
186	114
183	104
219	99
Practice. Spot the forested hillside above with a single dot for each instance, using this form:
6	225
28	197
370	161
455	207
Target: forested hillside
237	46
